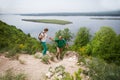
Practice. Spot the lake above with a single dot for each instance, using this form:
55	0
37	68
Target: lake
77	21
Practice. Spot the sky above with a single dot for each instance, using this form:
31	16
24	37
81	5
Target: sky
51	6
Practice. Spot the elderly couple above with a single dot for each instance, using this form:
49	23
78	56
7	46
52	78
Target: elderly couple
61	43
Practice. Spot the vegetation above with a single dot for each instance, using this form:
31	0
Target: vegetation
103	49
66	34
14	40
82	38
52	21
104	45
68	37
59	73
100	70
45	59
9	75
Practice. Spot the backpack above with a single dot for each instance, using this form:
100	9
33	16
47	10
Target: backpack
40	36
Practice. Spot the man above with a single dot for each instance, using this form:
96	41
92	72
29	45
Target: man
43	37
61	43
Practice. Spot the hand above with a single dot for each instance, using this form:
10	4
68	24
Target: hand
66	47
50	38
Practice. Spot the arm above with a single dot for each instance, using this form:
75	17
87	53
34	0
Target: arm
51	38
66	44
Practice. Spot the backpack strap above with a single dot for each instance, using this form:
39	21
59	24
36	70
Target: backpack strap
40	36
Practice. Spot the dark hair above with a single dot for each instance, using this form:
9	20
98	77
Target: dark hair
46	29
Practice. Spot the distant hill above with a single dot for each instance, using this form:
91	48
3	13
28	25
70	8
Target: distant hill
108	13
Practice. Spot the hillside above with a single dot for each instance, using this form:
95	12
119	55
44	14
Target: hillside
34	69
15	40
87	59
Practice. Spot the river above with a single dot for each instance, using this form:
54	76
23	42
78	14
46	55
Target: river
77	21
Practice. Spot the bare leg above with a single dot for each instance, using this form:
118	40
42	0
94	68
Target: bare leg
61	50
58	52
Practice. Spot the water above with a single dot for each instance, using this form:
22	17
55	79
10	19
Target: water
78	21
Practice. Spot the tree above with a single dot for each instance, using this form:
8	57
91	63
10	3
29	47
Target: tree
82	37
116	56
66	34
103	43
117	48
59	33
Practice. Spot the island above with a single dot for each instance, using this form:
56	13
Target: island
50	21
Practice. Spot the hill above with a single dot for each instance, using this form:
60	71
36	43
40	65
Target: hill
15	40
34	69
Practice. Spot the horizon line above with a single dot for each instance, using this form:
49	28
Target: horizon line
61	12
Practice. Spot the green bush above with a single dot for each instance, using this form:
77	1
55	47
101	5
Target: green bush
81	40
100	70
45	59
52	47
15	41
104	43
82	37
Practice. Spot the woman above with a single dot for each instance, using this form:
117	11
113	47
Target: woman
43	37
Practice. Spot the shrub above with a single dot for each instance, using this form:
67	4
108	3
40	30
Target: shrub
52	47
100	70
82	37
10	76
14	40
45	59
58	73
104	43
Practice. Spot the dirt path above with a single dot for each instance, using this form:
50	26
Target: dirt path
33	67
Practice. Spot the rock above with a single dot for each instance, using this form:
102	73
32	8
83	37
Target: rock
60	77
70	54
73	58
38	55
49	74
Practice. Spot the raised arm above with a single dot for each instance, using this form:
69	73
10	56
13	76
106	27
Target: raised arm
51	38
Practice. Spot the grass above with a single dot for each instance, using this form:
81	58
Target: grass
9	75
45	59
52	21
38	56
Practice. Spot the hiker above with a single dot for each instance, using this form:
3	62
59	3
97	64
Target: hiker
42	37
61	44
